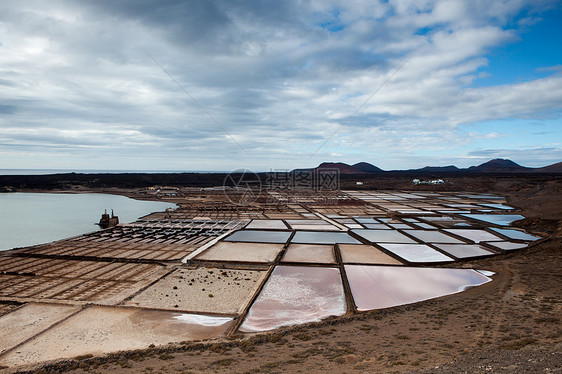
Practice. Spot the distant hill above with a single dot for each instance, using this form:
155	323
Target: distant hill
436	169
366	167
498	165
342	167
554	168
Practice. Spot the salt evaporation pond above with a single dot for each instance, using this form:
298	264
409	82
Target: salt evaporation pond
294	295
259	236
475	235
319	237
464	250
117	328
312	253
36	218
377	287
498	219
383	236
516	234
416	253
365	254
433	236
508	246
242	252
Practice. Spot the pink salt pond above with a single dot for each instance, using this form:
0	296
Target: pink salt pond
377	287
295	295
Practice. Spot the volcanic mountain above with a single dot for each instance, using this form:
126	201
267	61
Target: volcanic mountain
498	165
367	168
438	169
342	167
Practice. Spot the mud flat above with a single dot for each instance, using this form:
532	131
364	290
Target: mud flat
202	290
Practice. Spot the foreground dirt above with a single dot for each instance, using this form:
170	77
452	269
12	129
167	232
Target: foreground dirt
511	325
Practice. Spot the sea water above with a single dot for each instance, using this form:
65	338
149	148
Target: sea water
35	218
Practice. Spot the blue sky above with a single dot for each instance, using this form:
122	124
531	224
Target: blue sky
222	85
537	47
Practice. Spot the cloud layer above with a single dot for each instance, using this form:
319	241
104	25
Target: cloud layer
216	85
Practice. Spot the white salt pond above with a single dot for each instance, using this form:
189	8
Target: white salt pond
416	253
465	250
476	235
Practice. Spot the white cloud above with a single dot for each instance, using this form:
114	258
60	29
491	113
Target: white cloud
280	78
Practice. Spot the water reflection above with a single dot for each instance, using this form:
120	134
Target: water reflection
267	224
318	237
497	219
259	236
417	253
464	250
376	287
516	234
294	295
383	236
508	246
476	236
432	236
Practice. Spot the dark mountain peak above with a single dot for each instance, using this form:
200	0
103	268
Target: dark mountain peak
439	168
502	162
366	167
342	167
498	165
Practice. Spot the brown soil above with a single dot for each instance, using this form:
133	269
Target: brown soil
512	324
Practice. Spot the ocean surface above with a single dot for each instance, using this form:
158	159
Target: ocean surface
36	218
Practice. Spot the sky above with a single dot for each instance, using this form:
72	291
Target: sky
276	85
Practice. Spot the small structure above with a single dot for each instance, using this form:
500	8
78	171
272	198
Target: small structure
107	221
435	181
